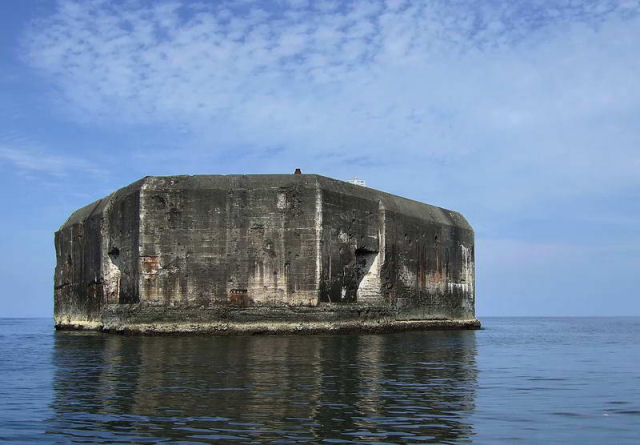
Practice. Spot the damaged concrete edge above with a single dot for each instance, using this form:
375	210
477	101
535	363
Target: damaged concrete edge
273	328
393	202
84	213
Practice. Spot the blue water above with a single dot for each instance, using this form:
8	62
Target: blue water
519	380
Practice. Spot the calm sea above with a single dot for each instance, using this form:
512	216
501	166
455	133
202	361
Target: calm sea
519	380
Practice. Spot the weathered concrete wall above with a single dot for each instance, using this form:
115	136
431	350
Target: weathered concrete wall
352	232
242	240
429	268
385	250
262	253
97	257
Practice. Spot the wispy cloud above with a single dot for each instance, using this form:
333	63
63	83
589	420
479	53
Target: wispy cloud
29	160
524	90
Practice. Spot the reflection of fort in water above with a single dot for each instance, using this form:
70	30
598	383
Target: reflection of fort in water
262	387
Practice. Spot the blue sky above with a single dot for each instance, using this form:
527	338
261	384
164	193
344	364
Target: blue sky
524	116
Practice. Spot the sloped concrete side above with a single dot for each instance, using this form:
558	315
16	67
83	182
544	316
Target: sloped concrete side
381	249
97	258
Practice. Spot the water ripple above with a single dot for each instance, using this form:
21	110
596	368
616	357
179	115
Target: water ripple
556	383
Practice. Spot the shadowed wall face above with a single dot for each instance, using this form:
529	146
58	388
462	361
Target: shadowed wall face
419	263
175	248
97	257
429	269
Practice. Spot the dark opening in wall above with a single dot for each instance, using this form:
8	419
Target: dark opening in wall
125	295
364	260
114	254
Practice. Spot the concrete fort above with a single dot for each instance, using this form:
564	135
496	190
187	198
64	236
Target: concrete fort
262	254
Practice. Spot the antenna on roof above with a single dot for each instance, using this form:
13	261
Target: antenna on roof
356	181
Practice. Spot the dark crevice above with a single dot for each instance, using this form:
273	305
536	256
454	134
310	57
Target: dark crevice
364	260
